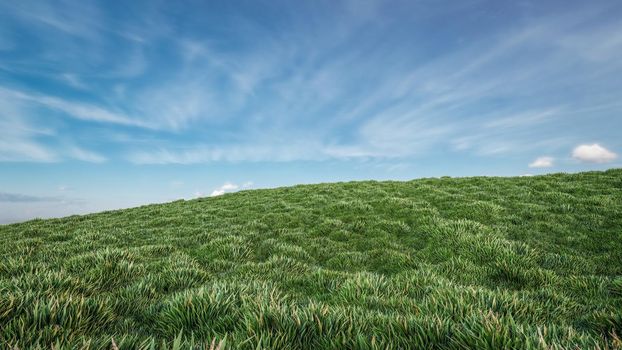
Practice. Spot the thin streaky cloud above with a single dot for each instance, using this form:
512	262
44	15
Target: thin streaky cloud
23	198
76	110
86	155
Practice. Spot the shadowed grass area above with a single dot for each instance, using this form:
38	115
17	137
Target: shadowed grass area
487	263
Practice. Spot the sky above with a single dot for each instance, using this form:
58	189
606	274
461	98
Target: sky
114	104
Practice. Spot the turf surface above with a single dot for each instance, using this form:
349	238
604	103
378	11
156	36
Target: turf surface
530	262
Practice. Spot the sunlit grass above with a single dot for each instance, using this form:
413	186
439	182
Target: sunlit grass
531	262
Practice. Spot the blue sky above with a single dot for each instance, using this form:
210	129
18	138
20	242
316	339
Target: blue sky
115	104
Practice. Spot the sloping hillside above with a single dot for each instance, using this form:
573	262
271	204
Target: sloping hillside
530	262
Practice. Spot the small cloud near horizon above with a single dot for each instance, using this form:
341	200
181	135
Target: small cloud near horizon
226	187
593	153
230	187
542	162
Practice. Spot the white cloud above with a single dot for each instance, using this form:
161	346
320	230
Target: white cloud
217	193
593	153
542	162
226	187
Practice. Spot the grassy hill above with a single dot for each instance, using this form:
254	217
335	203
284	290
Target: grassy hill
530	262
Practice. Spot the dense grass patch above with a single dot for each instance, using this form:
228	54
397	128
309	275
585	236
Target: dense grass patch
530	262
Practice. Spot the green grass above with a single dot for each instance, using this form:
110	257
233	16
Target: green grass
487	263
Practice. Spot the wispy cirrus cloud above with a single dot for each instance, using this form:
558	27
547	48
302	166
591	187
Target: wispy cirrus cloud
196	154
447	102
389	96
24	140
20	150
18	137
86	155
78	110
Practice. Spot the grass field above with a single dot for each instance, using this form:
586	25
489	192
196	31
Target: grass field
449	263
